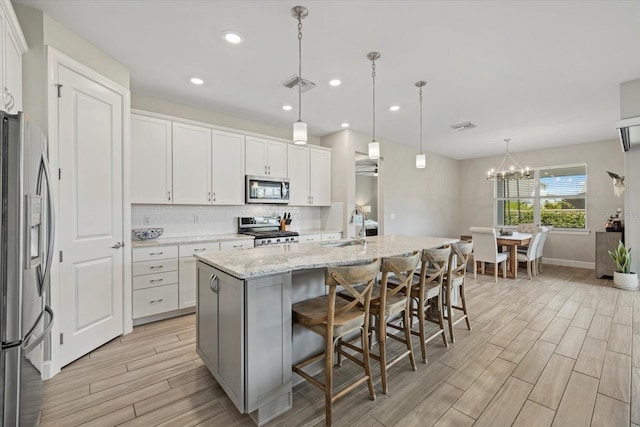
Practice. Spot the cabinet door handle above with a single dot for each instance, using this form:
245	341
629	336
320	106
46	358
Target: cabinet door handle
156	301
169	195
200	250
155	253
155	266
9	105
214	196
117	245
212	284
265	170
238	246
209	195
155	280
269	169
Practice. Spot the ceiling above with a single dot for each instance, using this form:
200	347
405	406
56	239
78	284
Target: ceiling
541	73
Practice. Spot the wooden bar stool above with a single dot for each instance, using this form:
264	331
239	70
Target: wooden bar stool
333	318
428	291
387	301
455	279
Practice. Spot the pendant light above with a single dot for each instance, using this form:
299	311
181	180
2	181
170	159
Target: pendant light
374	146
299	127
421	159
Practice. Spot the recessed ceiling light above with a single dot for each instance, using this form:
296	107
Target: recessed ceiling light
394	108
335	82
197	80
345	125
232	37
287	107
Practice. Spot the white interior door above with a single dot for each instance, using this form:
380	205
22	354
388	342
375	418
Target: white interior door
90	220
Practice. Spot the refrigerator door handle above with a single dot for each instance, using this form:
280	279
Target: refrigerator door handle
29	344
43	275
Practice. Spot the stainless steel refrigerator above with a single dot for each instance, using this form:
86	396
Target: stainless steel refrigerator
26	252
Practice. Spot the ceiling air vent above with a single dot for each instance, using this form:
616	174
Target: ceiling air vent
292	83
463	126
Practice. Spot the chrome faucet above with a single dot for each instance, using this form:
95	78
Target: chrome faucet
358	211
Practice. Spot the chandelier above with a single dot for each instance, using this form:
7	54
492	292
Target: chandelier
508	168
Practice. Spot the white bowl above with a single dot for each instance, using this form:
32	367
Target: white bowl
147	233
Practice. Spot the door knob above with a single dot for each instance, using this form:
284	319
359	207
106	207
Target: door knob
118	245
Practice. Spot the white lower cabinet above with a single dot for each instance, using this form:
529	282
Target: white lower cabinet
155	280
236	244
242	326
188	274
310	238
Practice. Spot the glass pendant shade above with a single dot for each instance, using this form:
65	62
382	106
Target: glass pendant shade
421	161
374	150
299	133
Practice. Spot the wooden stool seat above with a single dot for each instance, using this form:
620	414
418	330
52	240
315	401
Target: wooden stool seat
306	313
333	317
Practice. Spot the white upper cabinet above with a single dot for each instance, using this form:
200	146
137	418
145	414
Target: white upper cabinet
265	158
320	177
12	46
191	165
309	176
298	159
151	160
227	168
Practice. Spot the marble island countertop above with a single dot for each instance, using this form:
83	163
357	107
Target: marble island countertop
268	260
165	241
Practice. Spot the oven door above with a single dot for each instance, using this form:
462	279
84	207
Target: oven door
265	190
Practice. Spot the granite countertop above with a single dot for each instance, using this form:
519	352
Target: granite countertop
276	259
184	240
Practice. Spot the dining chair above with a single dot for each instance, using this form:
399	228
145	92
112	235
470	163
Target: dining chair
332	318
543	238
527	228
529	256
485	249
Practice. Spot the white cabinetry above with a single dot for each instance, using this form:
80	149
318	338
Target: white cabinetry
236	244
155	280
309	175
191	164
227	168
151	160
265	158
327	237
188	274
12	46
310	238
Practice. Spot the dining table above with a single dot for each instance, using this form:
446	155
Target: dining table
512	241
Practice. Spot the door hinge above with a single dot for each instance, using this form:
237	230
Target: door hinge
59	86
59	174
61	256
61	338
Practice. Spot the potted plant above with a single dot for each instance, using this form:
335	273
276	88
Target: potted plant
623	278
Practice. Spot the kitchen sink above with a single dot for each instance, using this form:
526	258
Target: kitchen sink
341	243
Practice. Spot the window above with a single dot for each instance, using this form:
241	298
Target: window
554	196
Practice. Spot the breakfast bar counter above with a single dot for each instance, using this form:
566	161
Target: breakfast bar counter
244	332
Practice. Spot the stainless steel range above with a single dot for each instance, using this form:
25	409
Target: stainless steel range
266	230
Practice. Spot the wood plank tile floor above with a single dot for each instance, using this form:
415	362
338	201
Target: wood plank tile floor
560	350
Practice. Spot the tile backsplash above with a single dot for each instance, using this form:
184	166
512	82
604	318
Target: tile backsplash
180	220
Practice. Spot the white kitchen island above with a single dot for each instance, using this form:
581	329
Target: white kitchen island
244	332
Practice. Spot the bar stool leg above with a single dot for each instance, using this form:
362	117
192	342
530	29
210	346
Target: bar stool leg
407	335
328	377
382	344
367	361
449	315
464	306
421	320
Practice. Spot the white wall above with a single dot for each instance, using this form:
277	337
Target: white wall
423	201
367	193
161	106
180	220
476	194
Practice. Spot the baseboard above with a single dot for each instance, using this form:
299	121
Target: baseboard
47	370
569	263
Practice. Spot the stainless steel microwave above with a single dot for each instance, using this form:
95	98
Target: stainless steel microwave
262	189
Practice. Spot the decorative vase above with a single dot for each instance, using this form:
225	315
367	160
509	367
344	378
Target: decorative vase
628	281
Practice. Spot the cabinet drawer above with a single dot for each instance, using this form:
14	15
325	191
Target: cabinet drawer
158	279
195	248
150	301
236	244
154	252
309	238
159	266
331	236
